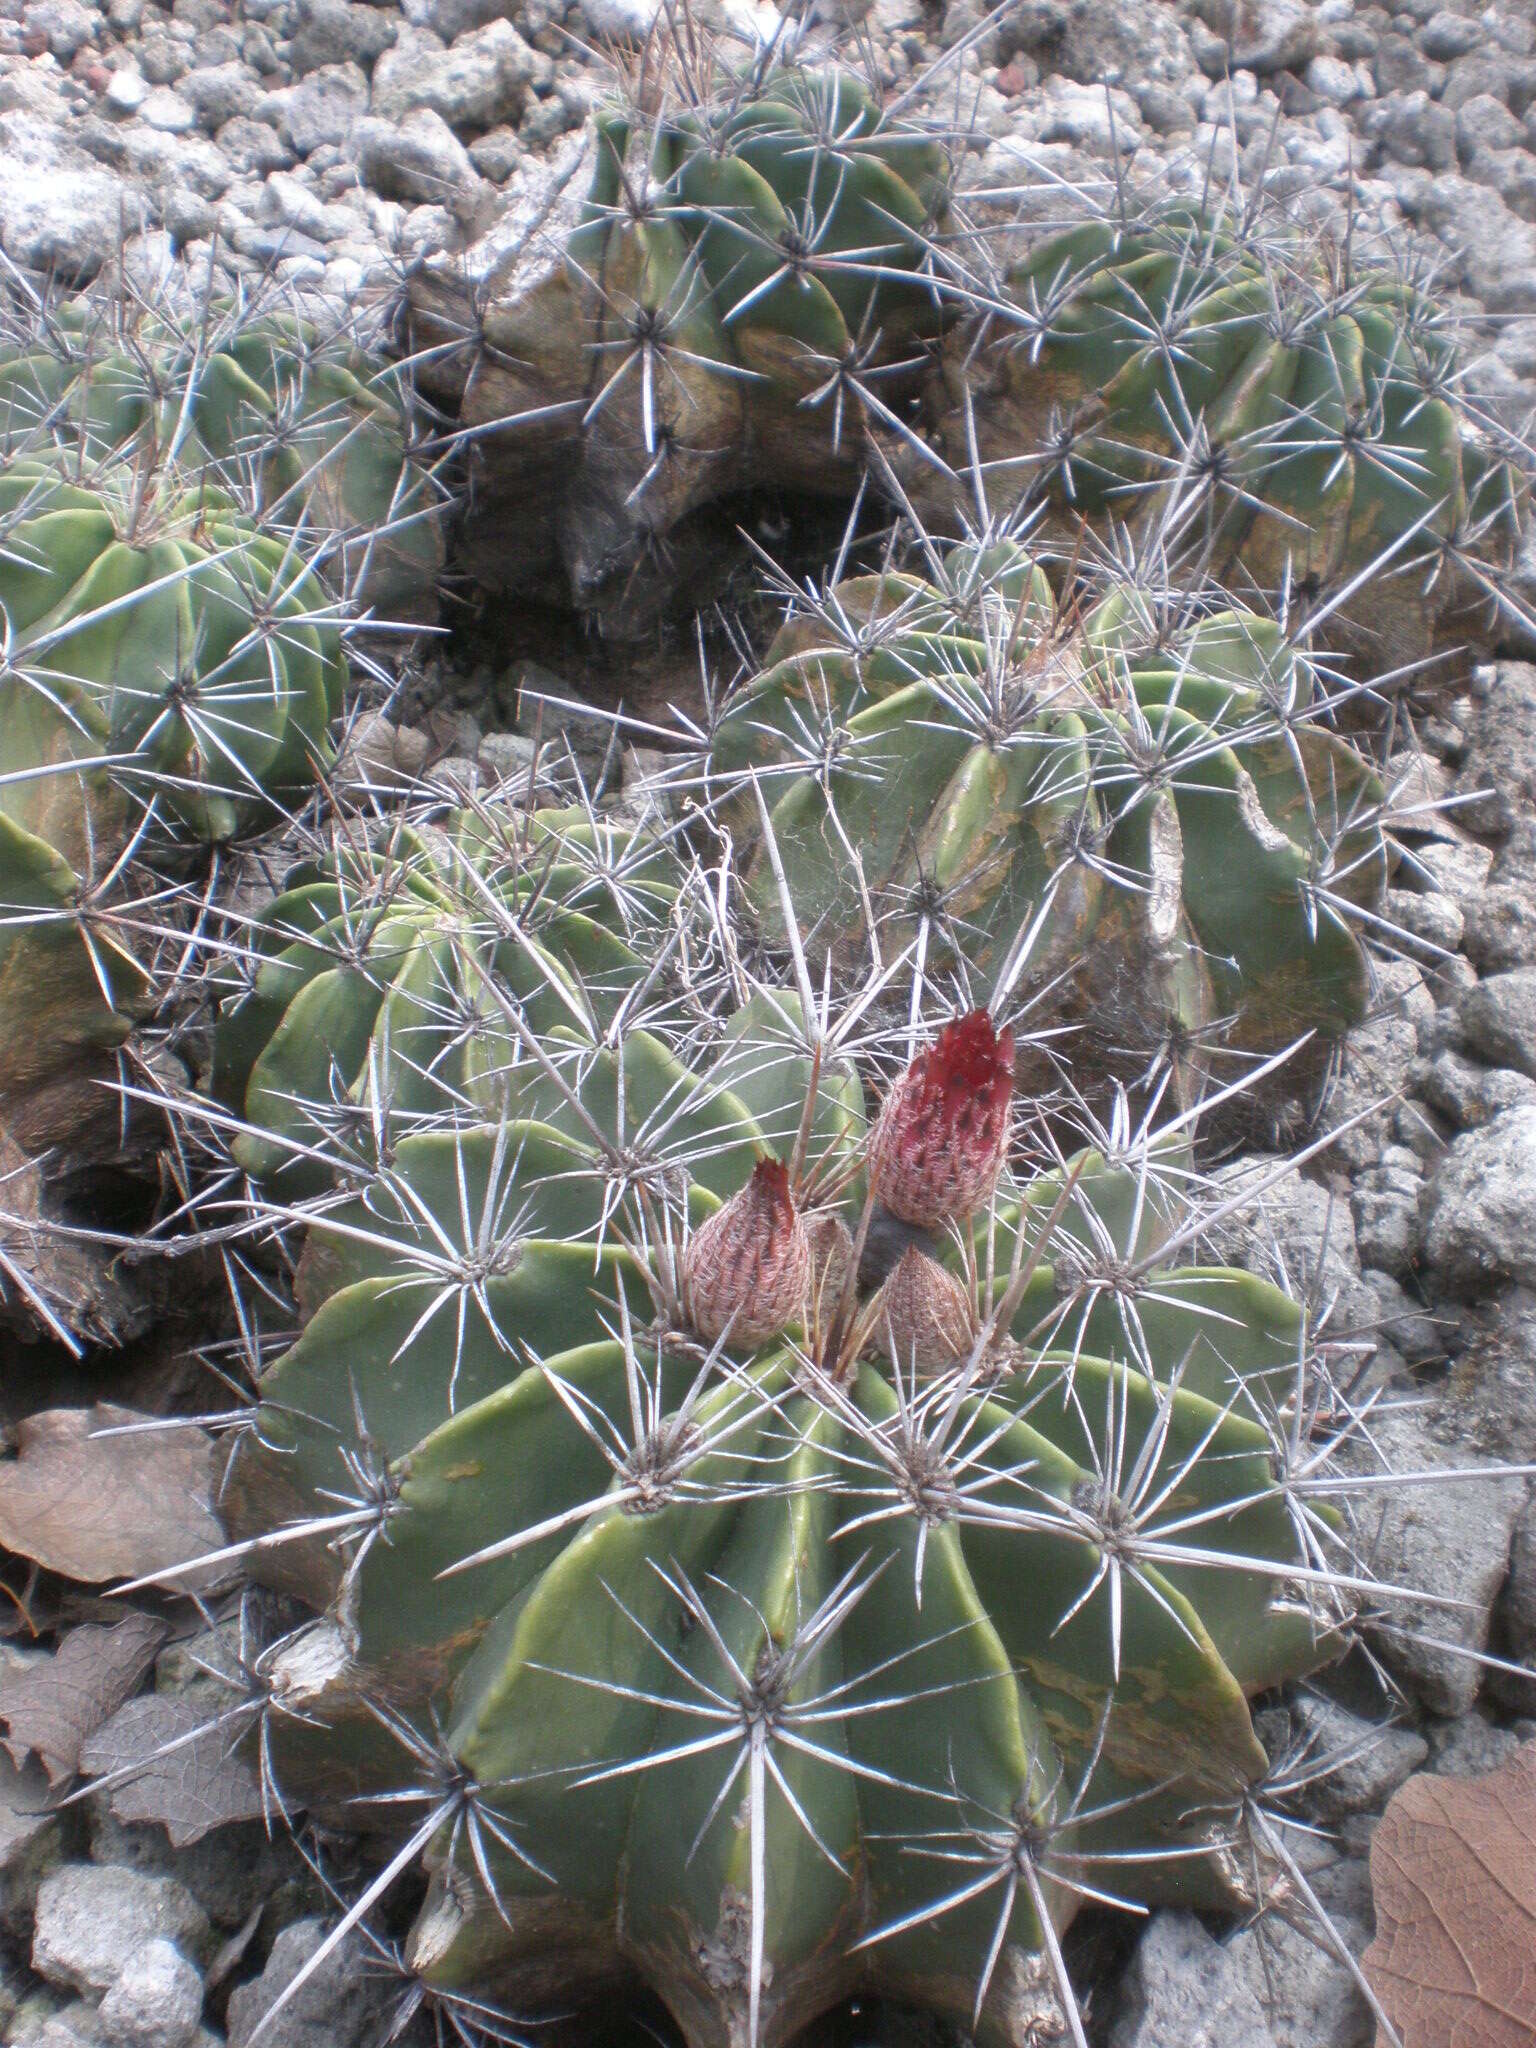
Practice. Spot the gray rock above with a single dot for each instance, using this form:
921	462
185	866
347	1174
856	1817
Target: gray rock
1492	72
1467	1093
1260	36
162	59
336	2008
1448	34
1481	1203
1469	1747
340	32
1413	1330
481	81
1336	82
1400	66
77	2025
254	147
65	25
126	91
497	155
1385	1201
1447	1538
92	1919
168	112
218	92
1298	1232
1495	249
1184	1987
1489	1401
1411	129
157	2001
1501	928
1308	1997
31	1841
1498	1019
324	107
1429	915
1367	1763
418	159
1485	123
506	755
1377	1060
58	210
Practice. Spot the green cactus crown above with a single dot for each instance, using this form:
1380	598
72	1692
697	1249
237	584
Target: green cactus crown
1118	798
755	269
1293	414
787	1630
310	427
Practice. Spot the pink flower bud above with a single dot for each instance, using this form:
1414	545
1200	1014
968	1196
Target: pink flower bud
747	1269
921	1316
943	1130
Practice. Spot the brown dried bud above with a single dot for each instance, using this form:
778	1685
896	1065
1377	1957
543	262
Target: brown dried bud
922	1315
747	1269
831	1255
943	1130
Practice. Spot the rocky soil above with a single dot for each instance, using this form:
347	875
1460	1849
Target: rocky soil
327	144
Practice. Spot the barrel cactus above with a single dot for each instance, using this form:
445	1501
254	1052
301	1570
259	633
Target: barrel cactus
196	654
1296	417
394	983
1131	806
763	1627
314	428
748	281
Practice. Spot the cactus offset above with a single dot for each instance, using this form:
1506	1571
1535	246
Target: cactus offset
395	983
313	429
747	282
1146	797
1296	420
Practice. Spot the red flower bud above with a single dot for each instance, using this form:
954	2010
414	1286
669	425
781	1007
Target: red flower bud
943	1131
922	1315
748	1267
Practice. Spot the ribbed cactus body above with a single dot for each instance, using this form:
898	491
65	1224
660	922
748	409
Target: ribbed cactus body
1146	799
756	1668
311	428
735	258
163	627
1304	423
385	979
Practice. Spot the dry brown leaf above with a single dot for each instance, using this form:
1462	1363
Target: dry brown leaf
53	1706
1453	1869
187	1771
105	1507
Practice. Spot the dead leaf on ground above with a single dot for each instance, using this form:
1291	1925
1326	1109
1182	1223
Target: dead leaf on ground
1454	1875
188	1772
53	1706
107	1507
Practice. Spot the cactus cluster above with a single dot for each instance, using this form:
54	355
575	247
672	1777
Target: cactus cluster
717	1294
193	506
1106	799
305	425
